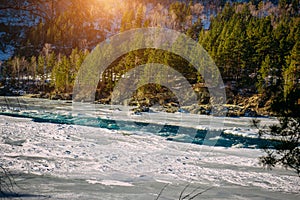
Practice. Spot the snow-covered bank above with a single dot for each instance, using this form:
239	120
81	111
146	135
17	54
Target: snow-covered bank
70	161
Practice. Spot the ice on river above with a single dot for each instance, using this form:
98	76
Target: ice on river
59	161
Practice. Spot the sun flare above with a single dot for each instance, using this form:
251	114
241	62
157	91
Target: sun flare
111	6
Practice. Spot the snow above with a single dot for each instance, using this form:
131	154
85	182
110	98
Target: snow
110	182
79	162
18	18
7	53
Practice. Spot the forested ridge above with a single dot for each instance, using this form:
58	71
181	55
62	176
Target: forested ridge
255	45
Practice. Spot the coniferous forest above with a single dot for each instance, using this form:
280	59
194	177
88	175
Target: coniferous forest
255	44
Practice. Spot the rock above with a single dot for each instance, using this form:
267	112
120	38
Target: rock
250	113
46	96
56	97
172	104
181	110
171	109
68	152
67	96
232	113
104	100
59	96
140	109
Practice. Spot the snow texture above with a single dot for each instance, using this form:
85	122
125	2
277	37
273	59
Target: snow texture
79	162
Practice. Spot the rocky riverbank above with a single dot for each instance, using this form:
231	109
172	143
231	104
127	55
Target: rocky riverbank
250	106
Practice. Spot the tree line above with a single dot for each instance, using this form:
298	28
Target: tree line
256	47
47	72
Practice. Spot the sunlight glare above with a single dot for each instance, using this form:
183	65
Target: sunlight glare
111	6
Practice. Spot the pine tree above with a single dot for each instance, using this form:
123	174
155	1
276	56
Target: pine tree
227	12
291	73
41	68
76	59
127	20
61	75
195	29
139	19
180	13
286	151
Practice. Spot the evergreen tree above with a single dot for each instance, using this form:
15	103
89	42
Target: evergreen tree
139	19
127	20
291	73
61	74
195	29
180	13
265	76
286	151
41	68
33	68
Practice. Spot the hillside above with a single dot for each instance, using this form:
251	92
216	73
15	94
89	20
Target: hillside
255	46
